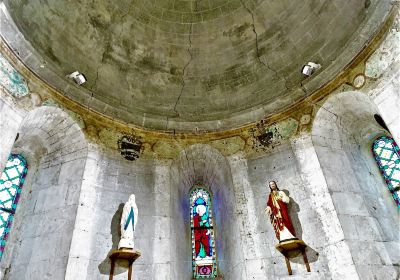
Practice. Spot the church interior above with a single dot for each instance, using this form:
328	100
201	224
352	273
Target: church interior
199	139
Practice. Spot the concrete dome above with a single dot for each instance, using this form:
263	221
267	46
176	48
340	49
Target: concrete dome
183	64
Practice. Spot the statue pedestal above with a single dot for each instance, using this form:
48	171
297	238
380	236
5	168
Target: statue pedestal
130	255
291	249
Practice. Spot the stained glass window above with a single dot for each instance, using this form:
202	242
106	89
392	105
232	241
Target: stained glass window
386	153
11	181
204	259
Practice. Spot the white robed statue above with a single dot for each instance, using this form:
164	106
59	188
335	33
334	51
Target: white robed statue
128	223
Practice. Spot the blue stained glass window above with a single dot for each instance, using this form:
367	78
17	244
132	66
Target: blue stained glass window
386	153
204	258
11	181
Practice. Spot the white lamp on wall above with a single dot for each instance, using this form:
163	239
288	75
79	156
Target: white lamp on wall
310	68
77	77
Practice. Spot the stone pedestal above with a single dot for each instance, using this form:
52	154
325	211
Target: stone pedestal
291	249
130	255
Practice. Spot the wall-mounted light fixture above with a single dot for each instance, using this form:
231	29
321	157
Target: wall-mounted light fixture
77	77
310	68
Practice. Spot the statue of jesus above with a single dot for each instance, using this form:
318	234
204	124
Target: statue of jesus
278	213
128	223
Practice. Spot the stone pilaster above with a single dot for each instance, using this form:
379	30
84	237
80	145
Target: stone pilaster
247	218
336	250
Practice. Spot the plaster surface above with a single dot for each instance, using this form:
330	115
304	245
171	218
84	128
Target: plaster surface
182	64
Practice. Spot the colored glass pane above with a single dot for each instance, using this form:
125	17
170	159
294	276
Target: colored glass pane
204	259
386	153
11	181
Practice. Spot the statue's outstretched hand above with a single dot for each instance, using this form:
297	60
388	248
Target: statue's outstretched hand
268	211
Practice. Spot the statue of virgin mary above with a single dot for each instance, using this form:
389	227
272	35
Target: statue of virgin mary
128	223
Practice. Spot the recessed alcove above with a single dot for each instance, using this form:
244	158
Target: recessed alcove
197	94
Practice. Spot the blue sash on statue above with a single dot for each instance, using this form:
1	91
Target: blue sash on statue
131	217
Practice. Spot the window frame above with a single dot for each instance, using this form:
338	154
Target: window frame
211	227
382	166
6	224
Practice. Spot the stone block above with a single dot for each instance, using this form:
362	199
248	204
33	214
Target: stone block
78	269
369	252
349	203
349	227
71	171
389	228
161	250
255	269
46	270
82	245
377	272
47	177
340	262
161	271
393	250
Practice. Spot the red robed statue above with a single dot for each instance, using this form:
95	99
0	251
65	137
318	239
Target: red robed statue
278	213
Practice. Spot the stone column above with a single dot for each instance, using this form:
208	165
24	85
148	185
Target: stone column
84	232
162	238
336	250
246	218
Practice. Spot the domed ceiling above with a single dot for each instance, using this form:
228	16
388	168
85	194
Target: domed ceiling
181	64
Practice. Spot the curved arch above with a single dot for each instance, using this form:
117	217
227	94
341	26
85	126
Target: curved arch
347	112
48	129
202	164
342	133
56	151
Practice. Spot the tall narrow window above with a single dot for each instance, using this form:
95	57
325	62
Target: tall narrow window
11	181
204	259
386	153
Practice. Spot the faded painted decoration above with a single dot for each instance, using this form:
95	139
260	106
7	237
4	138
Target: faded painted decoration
386	153
266	137
11	80
11	182
204	259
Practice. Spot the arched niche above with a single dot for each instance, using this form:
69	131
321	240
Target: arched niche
343	132
202	164
55	149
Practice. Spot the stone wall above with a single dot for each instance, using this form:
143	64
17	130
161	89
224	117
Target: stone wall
203	164
343	133
387	99
384	65
108	181
281	166
68	218
244	238
10	120
55	149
